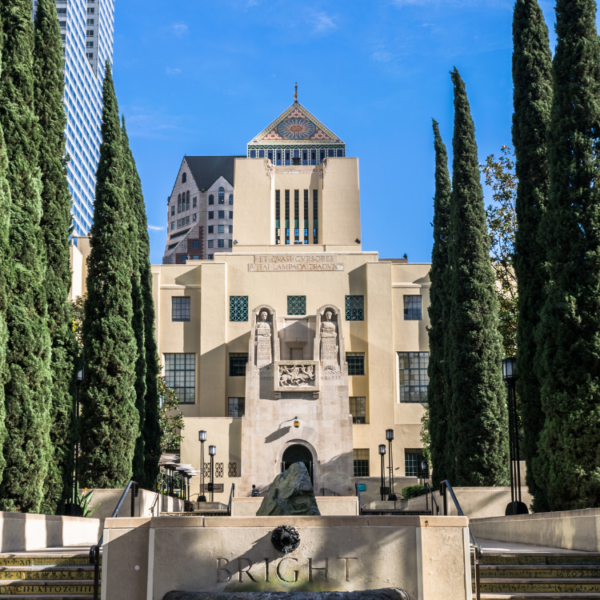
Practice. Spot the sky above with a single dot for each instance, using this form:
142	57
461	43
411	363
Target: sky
203	77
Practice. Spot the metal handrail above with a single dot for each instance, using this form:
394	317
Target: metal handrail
429	492
158	494
95	550
478	553
231	494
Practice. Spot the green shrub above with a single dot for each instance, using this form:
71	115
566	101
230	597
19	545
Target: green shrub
413	491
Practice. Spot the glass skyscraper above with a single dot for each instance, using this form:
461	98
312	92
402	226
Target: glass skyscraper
87	31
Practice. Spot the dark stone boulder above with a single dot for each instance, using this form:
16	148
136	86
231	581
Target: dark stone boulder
291	494
387	594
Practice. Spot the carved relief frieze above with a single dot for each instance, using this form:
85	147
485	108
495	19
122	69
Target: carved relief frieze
296	375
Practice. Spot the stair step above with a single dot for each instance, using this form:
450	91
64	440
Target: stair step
539	559
80	587
538	571
27	560
53	573
546	585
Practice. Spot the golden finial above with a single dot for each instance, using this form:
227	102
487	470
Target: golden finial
296	93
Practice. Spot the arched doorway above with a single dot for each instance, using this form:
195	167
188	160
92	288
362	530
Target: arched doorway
298	453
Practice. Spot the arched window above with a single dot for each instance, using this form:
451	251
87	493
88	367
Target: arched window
183	177
211	199
221	195
230	198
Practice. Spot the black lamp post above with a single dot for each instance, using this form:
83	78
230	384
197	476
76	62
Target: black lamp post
382	490
389	436
202	439
212	450
509	374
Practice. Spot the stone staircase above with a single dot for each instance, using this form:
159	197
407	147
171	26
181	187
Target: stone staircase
55	574
539	576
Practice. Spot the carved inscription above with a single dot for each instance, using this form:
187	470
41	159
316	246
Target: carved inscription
296	376
287	570
295	262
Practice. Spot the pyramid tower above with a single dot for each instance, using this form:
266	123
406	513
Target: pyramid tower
296	137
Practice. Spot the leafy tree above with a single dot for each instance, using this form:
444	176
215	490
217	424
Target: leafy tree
151	428
437	392
532	76
56	226
567	466
110	418
170	418
27	448
6	275
502	226
478	453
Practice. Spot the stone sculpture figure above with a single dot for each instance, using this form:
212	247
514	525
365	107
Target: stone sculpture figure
329	345
264	354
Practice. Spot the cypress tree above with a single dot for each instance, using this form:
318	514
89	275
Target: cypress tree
151	427
478	431
56	224
5	274
138	303
109	417
568	463
27	449
437	400
532	77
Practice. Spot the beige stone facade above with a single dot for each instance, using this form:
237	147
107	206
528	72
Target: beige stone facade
297	345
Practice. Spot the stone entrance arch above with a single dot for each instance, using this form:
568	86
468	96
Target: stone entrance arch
298	453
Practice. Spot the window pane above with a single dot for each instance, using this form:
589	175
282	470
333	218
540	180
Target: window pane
412	376
412	308
180	309
237	407
237	365
356	363
361	462
358	410
355	308
180	375
413	460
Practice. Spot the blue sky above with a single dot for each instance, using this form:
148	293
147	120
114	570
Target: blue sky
202	77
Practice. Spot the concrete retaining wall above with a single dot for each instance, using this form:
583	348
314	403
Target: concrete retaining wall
20	532
328	505
144	559
572	530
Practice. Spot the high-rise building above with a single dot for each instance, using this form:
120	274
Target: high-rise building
87	33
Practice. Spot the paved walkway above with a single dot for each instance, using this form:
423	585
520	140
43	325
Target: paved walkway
514	548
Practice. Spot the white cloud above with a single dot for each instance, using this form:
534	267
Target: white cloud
179	29
171	71
323	23
155	228
382	56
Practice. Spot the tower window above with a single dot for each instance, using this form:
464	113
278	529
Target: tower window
221	195
270	155
211	214
221	228
287	216
211	199
252	153
313	157
196	244
331	153
304	157
340	153
238	308
279	157
296	305
287	157
355	308
296	215
261	154
221	214
183	177
221	243
230	199
321	155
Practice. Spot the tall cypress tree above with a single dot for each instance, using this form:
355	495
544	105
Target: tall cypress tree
532	77
138	303
568	463
56	224
150	428
5	274
27	449
110	419
437	391
479	451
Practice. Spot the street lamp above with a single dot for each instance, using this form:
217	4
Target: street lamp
382	489
389	436
509	374
202	439
75	511
212	450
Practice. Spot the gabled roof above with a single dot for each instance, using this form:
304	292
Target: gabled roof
207	169
296	126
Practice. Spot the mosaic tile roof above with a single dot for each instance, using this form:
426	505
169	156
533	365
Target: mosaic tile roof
296	126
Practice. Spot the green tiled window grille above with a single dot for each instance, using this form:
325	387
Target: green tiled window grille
358	409
361	462
356	363
413	460
238	308
355	308
180	376
237	365
296	305
413	376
